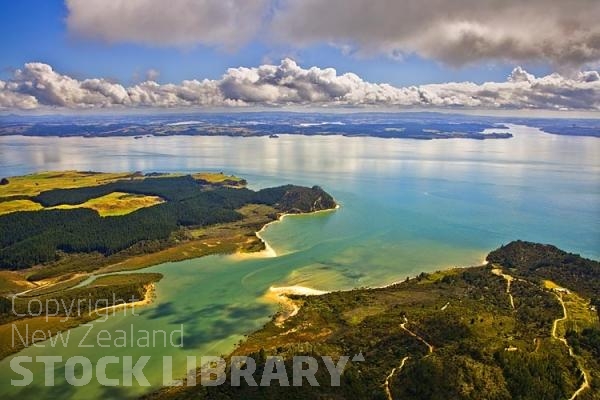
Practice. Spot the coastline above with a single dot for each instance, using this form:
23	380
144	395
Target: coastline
150	289
149	297
280	294
370	320
289	307
269	251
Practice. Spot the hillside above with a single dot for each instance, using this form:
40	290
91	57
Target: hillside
473	333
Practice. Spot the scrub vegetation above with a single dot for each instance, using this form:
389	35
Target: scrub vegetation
447	335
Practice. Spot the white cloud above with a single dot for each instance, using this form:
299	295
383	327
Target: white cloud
11	99
454	31
50	88
288	84
226	23
562	32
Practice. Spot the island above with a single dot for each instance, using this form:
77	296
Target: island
58	229
523	326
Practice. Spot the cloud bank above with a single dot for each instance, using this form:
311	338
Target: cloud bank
37	85
456	32
565	33
167	23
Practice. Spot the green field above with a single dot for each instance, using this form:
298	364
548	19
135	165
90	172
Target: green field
115	203
33	184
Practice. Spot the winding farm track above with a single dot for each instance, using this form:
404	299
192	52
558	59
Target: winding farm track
498	271
397	369
429	347
388	392
556	321
586	380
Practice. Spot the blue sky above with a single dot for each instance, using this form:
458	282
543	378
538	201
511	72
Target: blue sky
476	54
36	31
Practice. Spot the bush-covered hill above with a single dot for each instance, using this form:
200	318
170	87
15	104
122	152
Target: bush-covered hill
449	335
543	261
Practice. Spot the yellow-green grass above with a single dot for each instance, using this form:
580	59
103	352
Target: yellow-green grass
579	314
65	282
34	184
112	204
216	177
357	315
19	205
550	285
116	203
438	275
124	279
13	282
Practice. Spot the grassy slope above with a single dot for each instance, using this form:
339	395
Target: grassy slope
115	203
218	177
34	184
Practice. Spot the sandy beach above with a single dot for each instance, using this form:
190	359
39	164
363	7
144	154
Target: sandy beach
289	306
268	251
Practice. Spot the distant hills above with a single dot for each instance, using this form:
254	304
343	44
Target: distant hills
410	125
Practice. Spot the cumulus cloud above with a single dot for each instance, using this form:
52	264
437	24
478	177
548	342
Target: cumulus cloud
226	23
456	32
11	99
288	84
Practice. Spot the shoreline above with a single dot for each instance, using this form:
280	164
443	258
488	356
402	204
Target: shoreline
279	294
289	307
150	289
149	297
269	251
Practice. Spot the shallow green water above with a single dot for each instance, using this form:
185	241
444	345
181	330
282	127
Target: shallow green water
407	206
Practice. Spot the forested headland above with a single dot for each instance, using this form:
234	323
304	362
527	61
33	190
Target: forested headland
463	333
28	238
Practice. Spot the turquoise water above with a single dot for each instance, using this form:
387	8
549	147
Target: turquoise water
406	206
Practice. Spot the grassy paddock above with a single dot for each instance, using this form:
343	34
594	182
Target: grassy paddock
116	203
34	184
13	282
19	205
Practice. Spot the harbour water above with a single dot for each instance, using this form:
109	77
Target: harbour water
406	206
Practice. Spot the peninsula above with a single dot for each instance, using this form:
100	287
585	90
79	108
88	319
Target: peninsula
523	326
61	233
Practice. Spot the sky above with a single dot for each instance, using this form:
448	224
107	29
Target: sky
121	54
